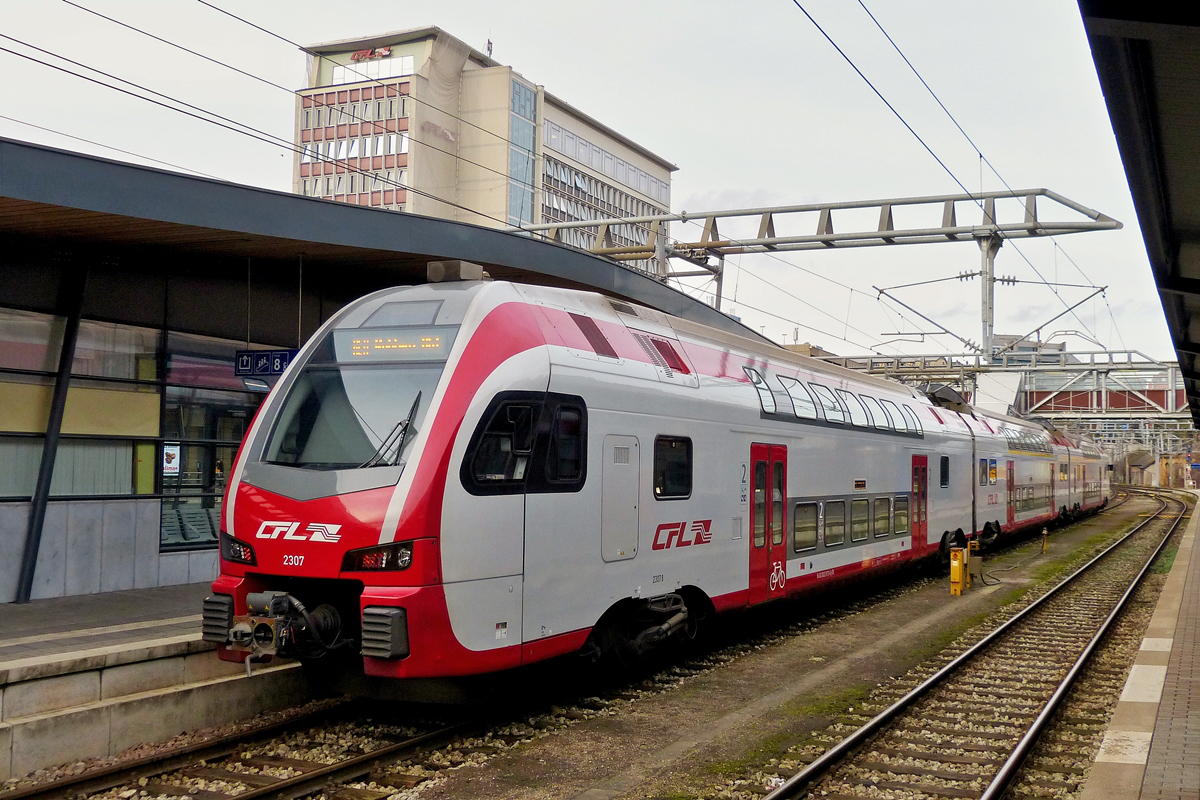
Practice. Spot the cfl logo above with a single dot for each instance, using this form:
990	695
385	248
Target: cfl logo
677	534
315	532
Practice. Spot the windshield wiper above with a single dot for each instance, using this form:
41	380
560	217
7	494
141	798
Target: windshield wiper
398	433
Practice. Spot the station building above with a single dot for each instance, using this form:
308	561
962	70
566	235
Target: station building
419	121
126	294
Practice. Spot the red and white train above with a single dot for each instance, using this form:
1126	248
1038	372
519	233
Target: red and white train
460	478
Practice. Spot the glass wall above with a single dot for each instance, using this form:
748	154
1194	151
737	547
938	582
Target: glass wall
149	413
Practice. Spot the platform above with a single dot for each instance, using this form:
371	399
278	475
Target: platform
89	676
1151	749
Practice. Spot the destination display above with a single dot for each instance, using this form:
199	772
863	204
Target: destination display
410	343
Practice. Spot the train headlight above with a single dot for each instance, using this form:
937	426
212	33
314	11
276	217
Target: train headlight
236	551
395	556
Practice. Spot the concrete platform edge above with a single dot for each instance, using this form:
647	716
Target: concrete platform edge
1120	764
109	726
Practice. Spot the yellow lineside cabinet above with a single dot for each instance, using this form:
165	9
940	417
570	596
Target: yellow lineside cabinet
958	569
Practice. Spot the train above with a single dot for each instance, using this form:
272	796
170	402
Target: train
463	477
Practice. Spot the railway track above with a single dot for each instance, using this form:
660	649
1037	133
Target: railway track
317	754
965	731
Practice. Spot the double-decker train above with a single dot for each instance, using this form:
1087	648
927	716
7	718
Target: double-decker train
460	478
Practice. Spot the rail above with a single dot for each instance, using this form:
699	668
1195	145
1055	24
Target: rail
795	786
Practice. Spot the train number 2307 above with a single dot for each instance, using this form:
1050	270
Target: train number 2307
293	561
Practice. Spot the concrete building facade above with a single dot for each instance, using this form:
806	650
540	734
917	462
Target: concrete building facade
419	121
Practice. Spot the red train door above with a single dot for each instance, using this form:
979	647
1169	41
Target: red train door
768	512
920	499
1010	489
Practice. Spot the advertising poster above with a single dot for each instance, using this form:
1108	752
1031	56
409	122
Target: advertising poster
170	465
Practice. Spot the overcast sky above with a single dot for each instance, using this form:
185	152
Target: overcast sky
748	99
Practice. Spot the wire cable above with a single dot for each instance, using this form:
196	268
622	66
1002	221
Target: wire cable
292	92
212	118
108	147
982	158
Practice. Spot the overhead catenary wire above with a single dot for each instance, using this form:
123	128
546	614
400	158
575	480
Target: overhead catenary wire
377	81
292	92
94	143
211	118
983	160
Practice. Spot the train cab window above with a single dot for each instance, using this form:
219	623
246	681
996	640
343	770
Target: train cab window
829	404
765	398
983	472
914	422
564	462
528	442
883	516
893	411
504	449
860	520
804	527
902	516
945	471
835	523
802	403
877	413
673	468
760	504
858	415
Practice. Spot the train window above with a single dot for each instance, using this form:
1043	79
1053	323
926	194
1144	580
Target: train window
804	527
564	462
673	469
777	500
760	504
893	411
860	519
506	444
983	472
835	523
914	422
877	413
802	402
992	471
829	404
528	442
765	398
945	465
902	516
883	516
858	415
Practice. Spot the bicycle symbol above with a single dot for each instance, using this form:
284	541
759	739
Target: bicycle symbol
778	576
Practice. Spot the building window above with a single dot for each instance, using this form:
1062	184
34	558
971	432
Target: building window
673	468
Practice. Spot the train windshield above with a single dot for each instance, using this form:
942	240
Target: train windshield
356	390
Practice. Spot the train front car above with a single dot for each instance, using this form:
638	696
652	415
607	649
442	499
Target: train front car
330	540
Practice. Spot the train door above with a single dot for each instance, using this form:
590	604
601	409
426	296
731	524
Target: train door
1010	489
920	501
768	512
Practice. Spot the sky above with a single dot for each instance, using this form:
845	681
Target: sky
750	100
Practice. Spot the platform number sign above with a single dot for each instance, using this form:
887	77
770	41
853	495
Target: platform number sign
262	362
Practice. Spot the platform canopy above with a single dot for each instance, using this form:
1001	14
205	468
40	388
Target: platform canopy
135	227
1148	60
